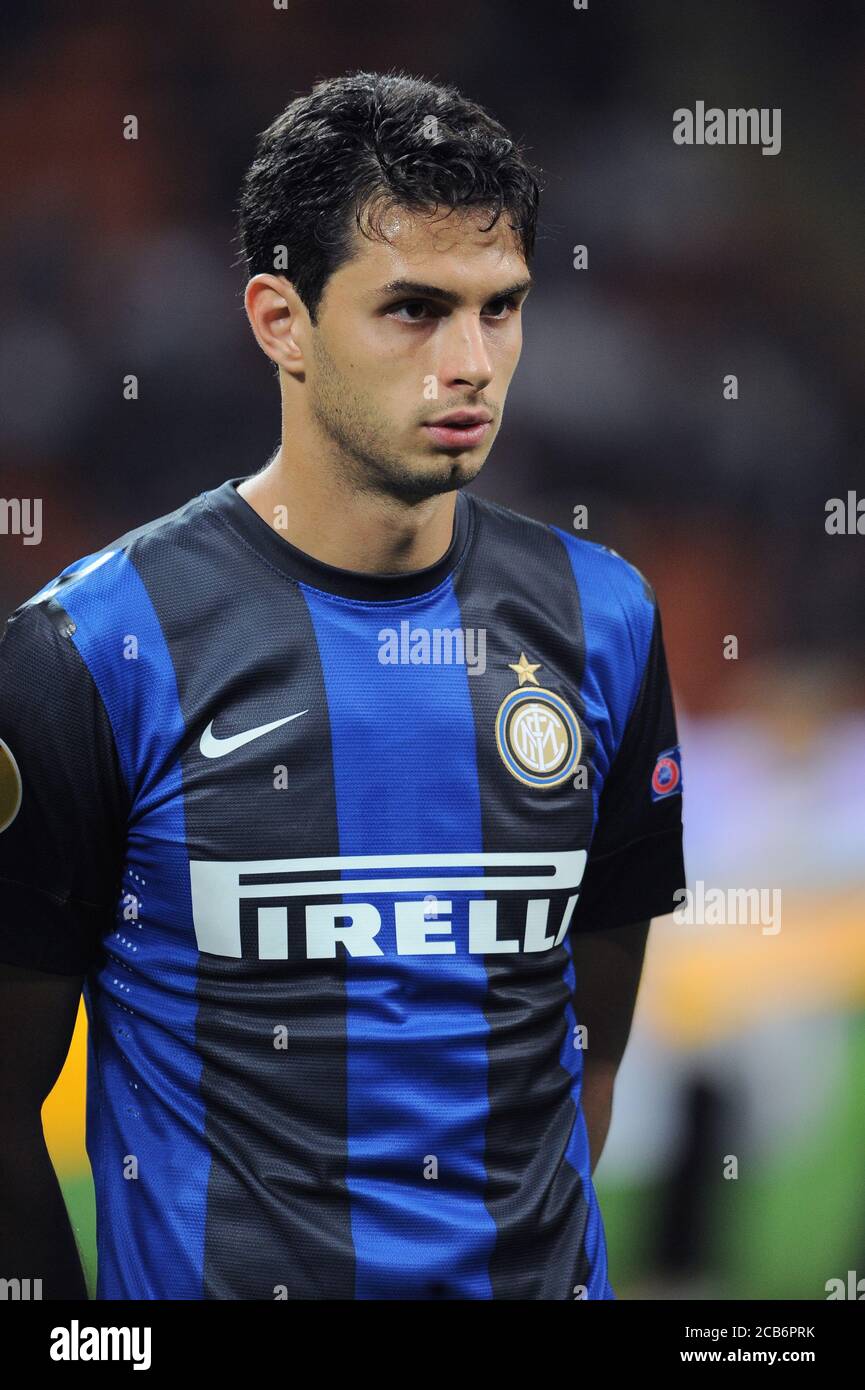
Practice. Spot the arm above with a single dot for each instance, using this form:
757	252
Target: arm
635	864
37	1018
608	966
63	818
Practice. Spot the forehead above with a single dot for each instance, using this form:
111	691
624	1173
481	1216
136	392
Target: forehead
450	248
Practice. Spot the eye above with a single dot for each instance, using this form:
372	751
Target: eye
508	302
409	304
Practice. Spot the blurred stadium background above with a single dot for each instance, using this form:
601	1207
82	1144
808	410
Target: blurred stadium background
119	257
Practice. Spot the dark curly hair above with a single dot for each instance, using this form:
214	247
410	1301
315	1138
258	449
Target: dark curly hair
355	147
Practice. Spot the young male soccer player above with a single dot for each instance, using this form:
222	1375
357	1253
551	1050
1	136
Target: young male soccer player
359	925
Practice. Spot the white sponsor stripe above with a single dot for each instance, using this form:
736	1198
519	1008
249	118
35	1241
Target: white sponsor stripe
214	876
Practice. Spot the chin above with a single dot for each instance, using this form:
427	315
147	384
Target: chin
455	474
466	469
430	478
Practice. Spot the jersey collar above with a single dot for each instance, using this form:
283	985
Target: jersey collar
347	583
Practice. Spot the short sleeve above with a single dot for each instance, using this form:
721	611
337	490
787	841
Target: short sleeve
63	805
636	860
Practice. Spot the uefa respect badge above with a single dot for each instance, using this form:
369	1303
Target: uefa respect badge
667	776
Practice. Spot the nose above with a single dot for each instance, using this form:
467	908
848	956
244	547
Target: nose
465	359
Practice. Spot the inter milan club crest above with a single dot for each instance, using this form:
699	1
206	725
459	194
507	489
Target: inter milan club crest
537	732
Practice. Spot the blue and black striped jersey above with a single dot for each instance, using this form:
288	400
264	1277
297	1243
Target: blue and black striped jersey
318	842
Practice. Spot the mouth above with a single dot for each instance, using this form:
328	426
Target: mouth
462	430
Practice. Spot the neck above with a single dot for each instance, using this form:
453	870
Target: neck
362	531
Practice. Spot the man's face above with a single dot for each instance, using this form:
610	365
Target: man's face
390	357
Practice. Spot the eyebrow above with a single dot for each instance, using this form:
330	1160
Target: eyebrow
424	291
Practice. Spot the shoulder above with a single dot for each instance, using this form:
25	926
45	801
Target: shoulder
99	587
612	588
613	592
603	565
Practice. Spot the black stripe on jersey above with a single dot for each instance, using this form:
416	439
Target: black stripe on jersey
518	584
275	1117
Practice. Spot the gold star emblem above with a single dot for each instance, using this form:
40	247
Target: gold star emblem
525	669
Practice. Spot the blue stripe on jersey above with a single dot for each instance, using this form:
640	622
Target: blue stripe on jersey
143	1097
616	653
578	1155
405	773
613	671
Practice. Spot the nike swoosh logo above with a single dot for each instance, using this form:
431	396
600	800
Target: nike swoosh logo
213	747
